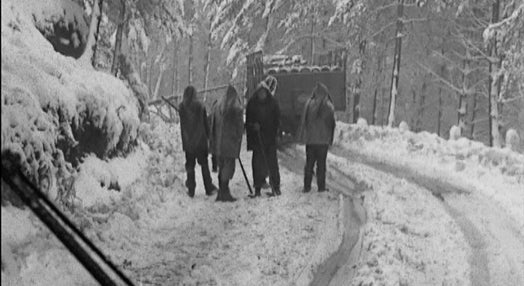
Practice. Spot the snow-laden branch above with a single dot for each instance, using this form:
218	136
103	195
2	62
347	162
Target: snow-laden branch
441	79
489	32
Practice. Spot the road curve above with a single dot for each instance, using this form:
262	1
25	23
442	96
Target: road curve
497	249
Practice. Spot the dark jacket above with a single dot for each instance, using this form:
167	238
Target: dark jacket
193	123
227	125
318	118
267	114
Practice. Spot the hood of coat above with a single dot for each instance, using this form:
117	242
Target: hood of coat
190	96
318	98
262	87
229	100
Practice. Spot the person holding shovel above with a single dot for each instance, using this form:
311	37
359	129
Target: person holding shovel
227	127
262	124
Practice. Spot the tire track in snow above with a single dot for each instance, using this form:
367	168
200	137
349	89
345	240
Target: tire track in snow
497	249
348	253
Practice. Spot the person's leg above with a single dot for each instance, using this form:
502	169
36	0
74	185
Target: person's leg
190	172
220	163
274	172
321	167
259	169
206	175
308	168
214	163
226	173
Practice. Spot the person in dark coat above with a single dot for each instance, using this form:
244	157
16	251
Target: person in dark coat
227	127
316	131
195	134
262	124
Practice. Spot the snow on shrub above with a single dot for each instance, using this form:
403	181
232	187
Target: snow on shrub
362	122
512	140
454	133
403	126
55	111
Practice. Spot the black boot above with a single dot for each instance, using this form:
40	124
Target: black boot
257	193
274	192
190	183
308	177
212	190
227	196
224	194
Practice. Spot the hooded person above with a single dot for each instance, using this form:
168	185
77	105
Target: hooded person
195	133
227	127
262	125
271	83
316	131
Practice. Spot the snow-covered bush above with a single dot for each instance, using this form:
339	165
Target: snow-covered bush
454	133
512	140
403	126
55	111
362	122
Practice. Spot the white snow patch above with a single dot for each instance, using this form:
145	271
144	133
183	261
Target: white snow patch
512	140
362	122
403	126
454	132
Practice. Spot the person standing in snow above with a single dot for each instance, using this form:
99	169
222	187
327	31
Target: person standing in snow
195	134
227	126
262	124
271	83
316	130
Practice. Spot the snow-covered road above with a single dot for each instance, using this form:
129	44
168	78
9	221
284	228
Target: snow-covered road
496	248
382	224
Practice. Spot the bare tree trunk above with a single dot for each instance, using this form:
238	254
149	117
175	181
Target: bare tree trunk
473	117
463	96
118	40
494	83
96	14
206	64
312	39
374	114
396	64
150	74
190	61
374	117
97	33
159	80
439	112
421	107
358	85
175	67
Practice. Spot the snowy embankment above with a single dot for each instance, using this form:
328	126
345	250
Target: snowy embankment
160	236
56	110
493	172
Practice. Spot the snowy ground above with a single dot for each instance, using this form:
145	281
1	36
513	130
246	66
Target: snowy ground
495	173
162	237
408	238
481	190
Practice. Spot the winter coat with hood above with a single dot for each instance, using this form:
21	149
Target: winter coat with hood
267	114
227	125
193	123
317	125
